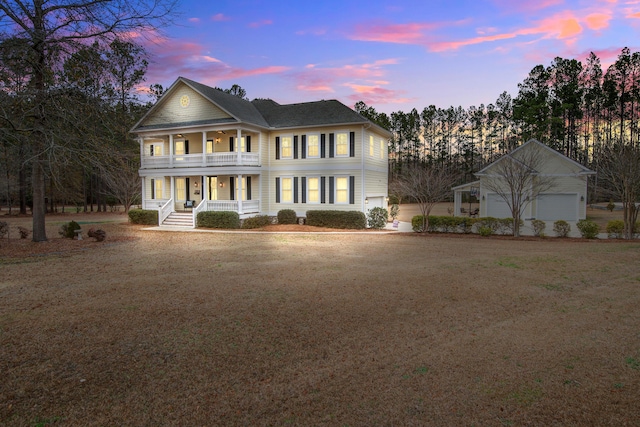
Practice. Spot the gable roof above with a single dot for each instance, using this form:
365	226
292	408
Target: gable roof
582	170
265	113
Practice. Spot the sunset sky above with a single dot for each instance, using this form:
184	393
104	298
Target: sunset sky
391	55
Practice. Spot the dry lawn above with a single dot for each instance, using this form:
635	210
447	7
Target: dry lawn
157	328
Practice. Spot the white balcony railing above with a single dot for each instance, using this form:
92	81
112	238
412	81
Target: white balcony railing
248	206
196	160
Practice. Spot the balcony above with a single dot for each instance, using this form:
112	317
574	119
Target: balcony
198	160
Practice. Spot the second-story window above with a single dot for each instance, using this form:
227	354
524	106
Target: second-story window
286	147
342	144
313	146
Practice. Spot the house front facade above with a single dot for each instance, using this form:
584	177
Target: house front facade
202	149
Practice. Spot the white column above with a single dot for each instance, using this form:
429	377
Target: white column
239	191
238	140
173	186
204	148
141	141
205	188
171	150
144	192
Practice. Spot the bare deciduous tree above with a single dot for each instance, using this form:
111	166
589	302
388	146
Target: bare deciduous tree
619	169
427	184
516	179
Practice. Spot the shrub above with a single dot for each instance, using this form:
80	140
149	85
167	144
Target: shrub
417	223
487	222
337	219
68	229
538	227
465	224
143	216
615	229
214	219
98	234
4	229
287	216
394	211
485	230
505	225
588	229
256	222
561	228
24	233
377	218
611	206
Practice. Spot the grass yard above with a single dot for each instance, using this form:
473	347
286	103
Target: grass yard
157	328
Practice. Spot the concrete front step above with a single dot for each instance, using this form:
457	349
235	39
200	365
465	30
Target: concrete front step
178	219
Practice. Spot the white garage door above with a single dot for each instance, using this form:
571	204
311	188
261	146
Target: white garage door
552	207
497	207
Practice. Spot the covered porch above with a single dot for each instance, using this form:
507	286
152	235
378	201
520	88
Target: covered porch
466	199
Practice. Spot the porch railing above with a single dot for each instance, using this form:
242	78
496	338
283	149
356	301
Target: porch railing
248	206
194	160
153	204
165	211
199	208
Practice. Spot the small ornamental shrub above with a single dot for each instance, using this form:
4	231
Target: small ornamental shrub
394	211
287	216
488	222
417	224
538	227
143	216
24	233
615	229
337	219
611	206
68	229
98	234
4	229
377	218
485	231
561	228
215	219
588	229
505	225
256	222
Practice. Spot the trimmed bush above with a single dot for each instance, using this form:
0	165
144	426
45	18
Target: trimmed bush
489	223
394	211
588	229
143	216
68	229
224	219
337	219
538	226
256	222
377	218
444	224
485	231
615	229
287	216
561	228
417	223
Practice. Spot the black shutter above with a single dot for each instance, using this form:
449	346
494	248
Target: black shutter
352	144
231	144
331	144
323	198
331	186
187	183
277	190
186	146
153	188
277	147
303	183
247	147
303	154
248	188
232	187
295	189
322	146
295	146
151	151
352	187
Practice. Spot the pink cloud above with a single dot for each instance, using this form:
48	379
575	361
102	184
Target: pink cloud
261	23
220	17
510	6
597	21
410	33
194	20
375	95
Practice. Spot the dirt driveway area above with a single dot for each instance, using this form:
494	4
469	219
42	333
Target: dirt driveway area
157	328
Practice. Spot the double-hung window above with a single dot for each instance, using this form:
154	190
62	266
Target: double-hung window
242	146
156	188
286	147
286	190
371	144
181	189
209	147
342	144
313	189
342	189
382	149
313	146
155	149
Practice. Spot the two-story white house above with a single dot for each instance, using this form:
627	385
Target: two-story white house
205	150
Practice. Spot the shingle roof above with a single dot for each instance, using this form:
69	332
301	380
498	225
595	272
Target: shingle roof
307	113
239	108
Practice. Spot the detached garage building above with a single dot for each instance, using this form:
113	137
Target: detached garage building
566	199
